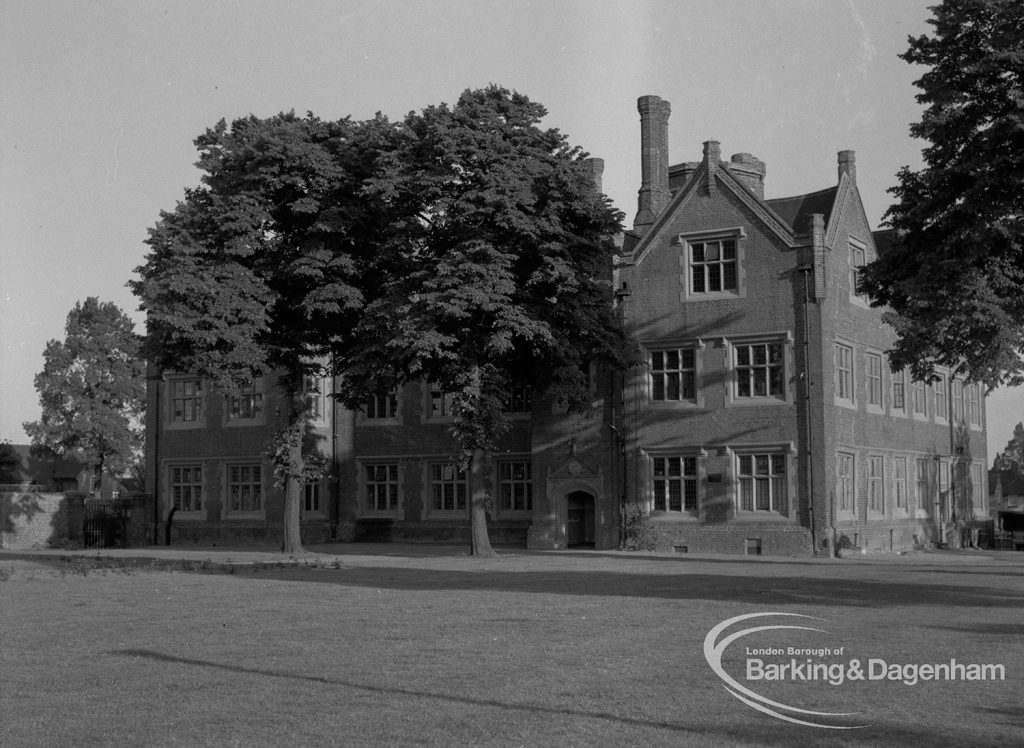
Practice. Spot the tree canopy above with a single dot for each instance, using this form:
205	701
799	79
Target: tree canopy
464	245
954	276
253	271
496	264
92	389
251	268
1012	456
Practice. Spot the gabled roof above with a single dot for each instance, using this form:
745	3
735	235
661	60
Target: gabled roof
790	209
771	220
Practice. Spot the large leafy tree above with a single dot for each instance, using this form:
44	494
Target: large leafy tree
495	263
465	245
954	276
254	269
92	389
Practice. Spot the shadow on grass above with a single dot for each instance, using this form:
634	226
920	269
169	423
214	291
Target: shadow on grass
403	692
748	729
763	585
763	590
987	629
1010	716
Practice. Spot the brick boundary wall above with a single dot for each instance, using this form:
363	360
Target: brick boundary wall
30	518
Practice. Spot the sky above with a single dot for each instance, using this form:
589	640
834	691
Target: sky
100	102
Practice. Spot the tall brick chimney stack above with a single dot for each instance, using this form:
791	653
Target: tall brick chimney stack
654	194
712	156
596	168
848	164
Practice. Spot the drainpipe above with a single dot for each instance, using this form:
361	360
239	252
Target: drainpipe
621	296
334	484
156	464
806	270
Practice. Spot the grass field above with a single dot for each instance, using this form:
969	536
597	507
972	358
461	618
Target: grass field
415	646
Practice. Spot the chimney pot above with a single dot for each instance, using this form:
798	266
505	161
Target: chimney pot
749	170
848	164
596	168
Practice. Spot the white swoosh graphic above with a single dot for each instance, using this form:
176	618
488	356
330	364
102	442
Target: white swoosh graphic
713	651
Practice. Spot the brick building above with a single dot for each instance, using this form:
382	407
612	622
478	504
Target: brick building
764	416
761	415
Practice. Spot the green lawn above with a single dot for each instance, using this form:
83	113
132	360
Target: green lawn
415	647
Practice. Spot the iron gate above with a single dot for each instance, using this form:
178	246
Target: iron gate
106	523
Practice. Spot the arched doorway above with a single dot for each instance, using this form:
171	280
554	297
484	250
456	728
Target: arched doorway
579	529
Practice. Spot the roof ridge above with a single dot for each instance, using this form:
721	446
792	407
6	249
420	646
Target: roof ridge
805	194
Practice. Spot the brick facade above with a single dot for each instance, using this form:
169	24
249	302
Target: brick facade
760	415
751	304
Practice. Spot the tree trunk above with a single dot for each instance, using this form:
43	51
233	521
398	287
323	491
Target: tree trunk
480	542
292	540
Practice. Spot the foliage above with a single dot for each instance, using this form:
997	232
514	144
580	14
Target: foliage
493	266
250	271
1012	456
254	271
465	246
9	463
92	389
954	277
638	530
289	452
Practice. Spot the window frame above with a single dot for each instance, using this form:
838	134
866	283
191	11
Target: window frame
519	402
391	482
941	398
773	455
900	495
684	480
785	366
501	482
199	397
435	395
923	484
685	371
876	485
459	479
735	234
899	391
979	505
846	483
857	246
845	377
228	503
250	394
957	395
392	409
972	405
182	513
918	400
313	490
874	382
